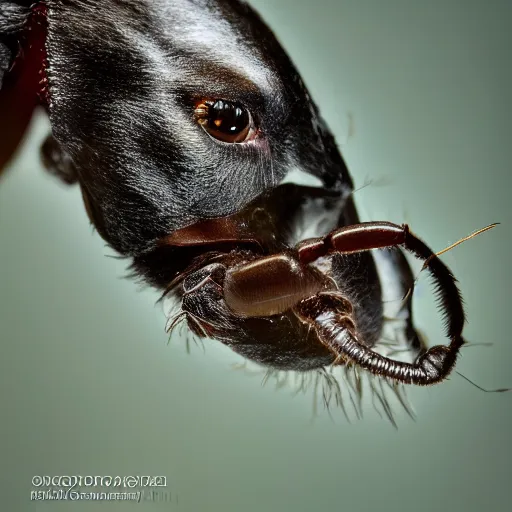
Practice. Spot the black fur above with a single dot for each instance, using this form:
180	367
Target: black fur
13	16
123	80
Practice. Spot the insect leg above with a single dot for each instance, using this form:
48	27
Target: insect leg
335	328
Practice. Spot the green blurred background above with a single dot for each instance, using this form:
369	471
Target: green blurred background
89	384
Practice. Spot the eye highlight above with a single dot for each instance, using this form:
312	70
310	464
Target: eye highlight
226	121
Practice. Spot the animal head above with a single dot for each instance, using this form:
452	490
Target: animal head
170	112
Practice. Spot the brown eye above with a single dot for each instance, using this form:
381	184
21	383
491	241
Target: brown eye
225	120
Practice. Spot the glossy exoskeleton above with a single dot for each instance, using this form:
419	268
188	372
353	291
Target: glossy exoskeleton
182	122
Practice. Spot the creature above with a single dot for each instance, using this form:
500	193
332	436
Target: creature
181	121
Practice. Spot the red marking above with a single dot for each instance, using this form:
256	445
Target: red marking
28	71
26	84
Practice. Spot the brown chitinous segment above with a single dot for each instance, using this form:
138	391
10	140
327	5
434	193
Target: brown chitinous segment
210	231
269	286
350	239
367	236
274	284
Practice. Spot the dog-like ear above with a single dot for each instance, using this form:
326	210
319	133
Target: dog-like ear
57	162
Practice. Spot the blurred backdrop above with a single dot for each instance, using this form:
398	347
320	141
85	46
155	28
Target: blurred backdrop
419	97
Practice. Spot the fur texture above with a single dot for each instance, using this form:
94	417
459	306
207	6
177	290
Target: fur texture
123	79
